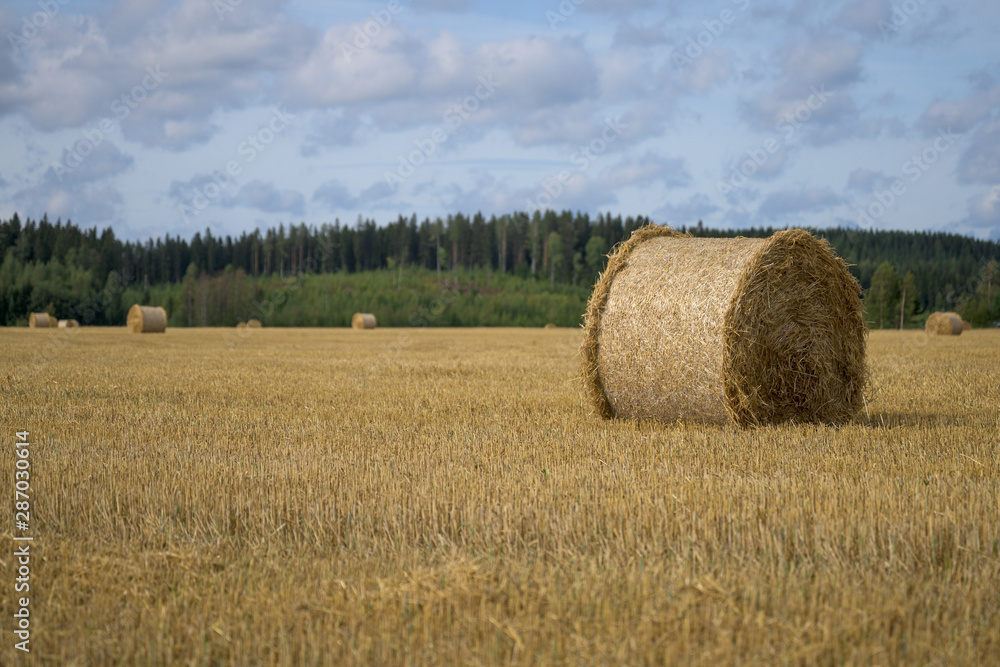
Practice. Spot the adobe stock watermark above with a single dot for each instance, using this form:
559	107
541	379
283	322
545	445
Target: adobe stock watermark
31	25
554	186
714	28
366	33
787	126
914	168
121	107
247	151
223	7
453	118
565	10
901	15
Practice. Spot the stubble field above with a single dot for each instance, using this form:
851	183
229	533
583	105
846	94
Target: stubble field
320	496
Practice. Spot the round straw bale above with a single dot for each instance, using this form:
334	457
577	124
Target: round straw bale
965	325
944	324
551	325
962	323
68	324
363	321
147	319
754	331
40	321
253	323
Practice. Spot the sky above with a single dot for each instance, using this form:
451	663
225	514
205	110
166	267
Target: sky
156	117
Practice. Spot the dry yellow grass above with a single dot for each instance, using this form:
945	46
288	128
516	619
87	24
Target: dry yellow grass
443	496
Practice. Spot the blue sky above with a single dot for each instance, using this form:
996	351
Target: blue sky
169	117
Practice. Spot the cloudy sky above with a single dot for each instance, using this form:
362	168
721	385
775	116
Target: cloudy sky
161	117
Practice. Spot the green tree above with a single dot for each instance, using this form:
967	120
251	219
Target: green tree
907	300
595	254
189	289
883	295
554	246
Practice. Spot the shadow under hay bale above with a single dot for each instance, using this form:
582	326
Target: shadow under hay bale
363	321
752	331
146	319
944	324
41	321
68	324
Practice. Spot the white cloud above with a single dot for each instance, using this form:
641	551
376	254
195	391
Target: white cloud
778	206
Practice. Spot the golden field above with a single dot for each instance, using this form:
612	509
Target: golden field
431	496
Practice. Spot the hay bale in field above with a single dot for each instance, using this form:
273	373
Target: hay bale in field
41	321
147	319
966	326
944	324
363	321
254	323
551	325
68	324
749	330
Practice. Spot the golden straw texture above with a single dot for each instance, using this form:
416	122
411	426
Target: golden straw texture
944	324
363	321
40	321
147	319
254	323
751	331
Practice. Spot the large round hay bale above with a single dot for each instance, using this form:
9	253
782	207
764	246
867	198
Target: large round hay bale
254	323
147	319
363	321
68	324
965	325
754	331
944	324
40	321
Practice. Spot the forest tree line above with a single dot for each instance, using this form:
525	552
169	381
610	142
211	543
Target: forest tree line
208	280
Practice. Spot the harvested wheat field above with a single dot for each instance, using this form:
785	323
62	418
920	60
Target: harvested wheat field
305	496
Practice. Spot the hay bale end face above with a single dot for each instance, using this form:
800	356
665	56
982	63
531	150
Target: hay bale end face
752	331
41	321
68	324
363	321
147	319
944	324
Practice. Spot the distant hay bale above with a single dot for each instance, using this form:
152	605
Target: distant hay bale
41	321
754	331
147	319
254	323
944	324
68	324
363	321
966	326
551	325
